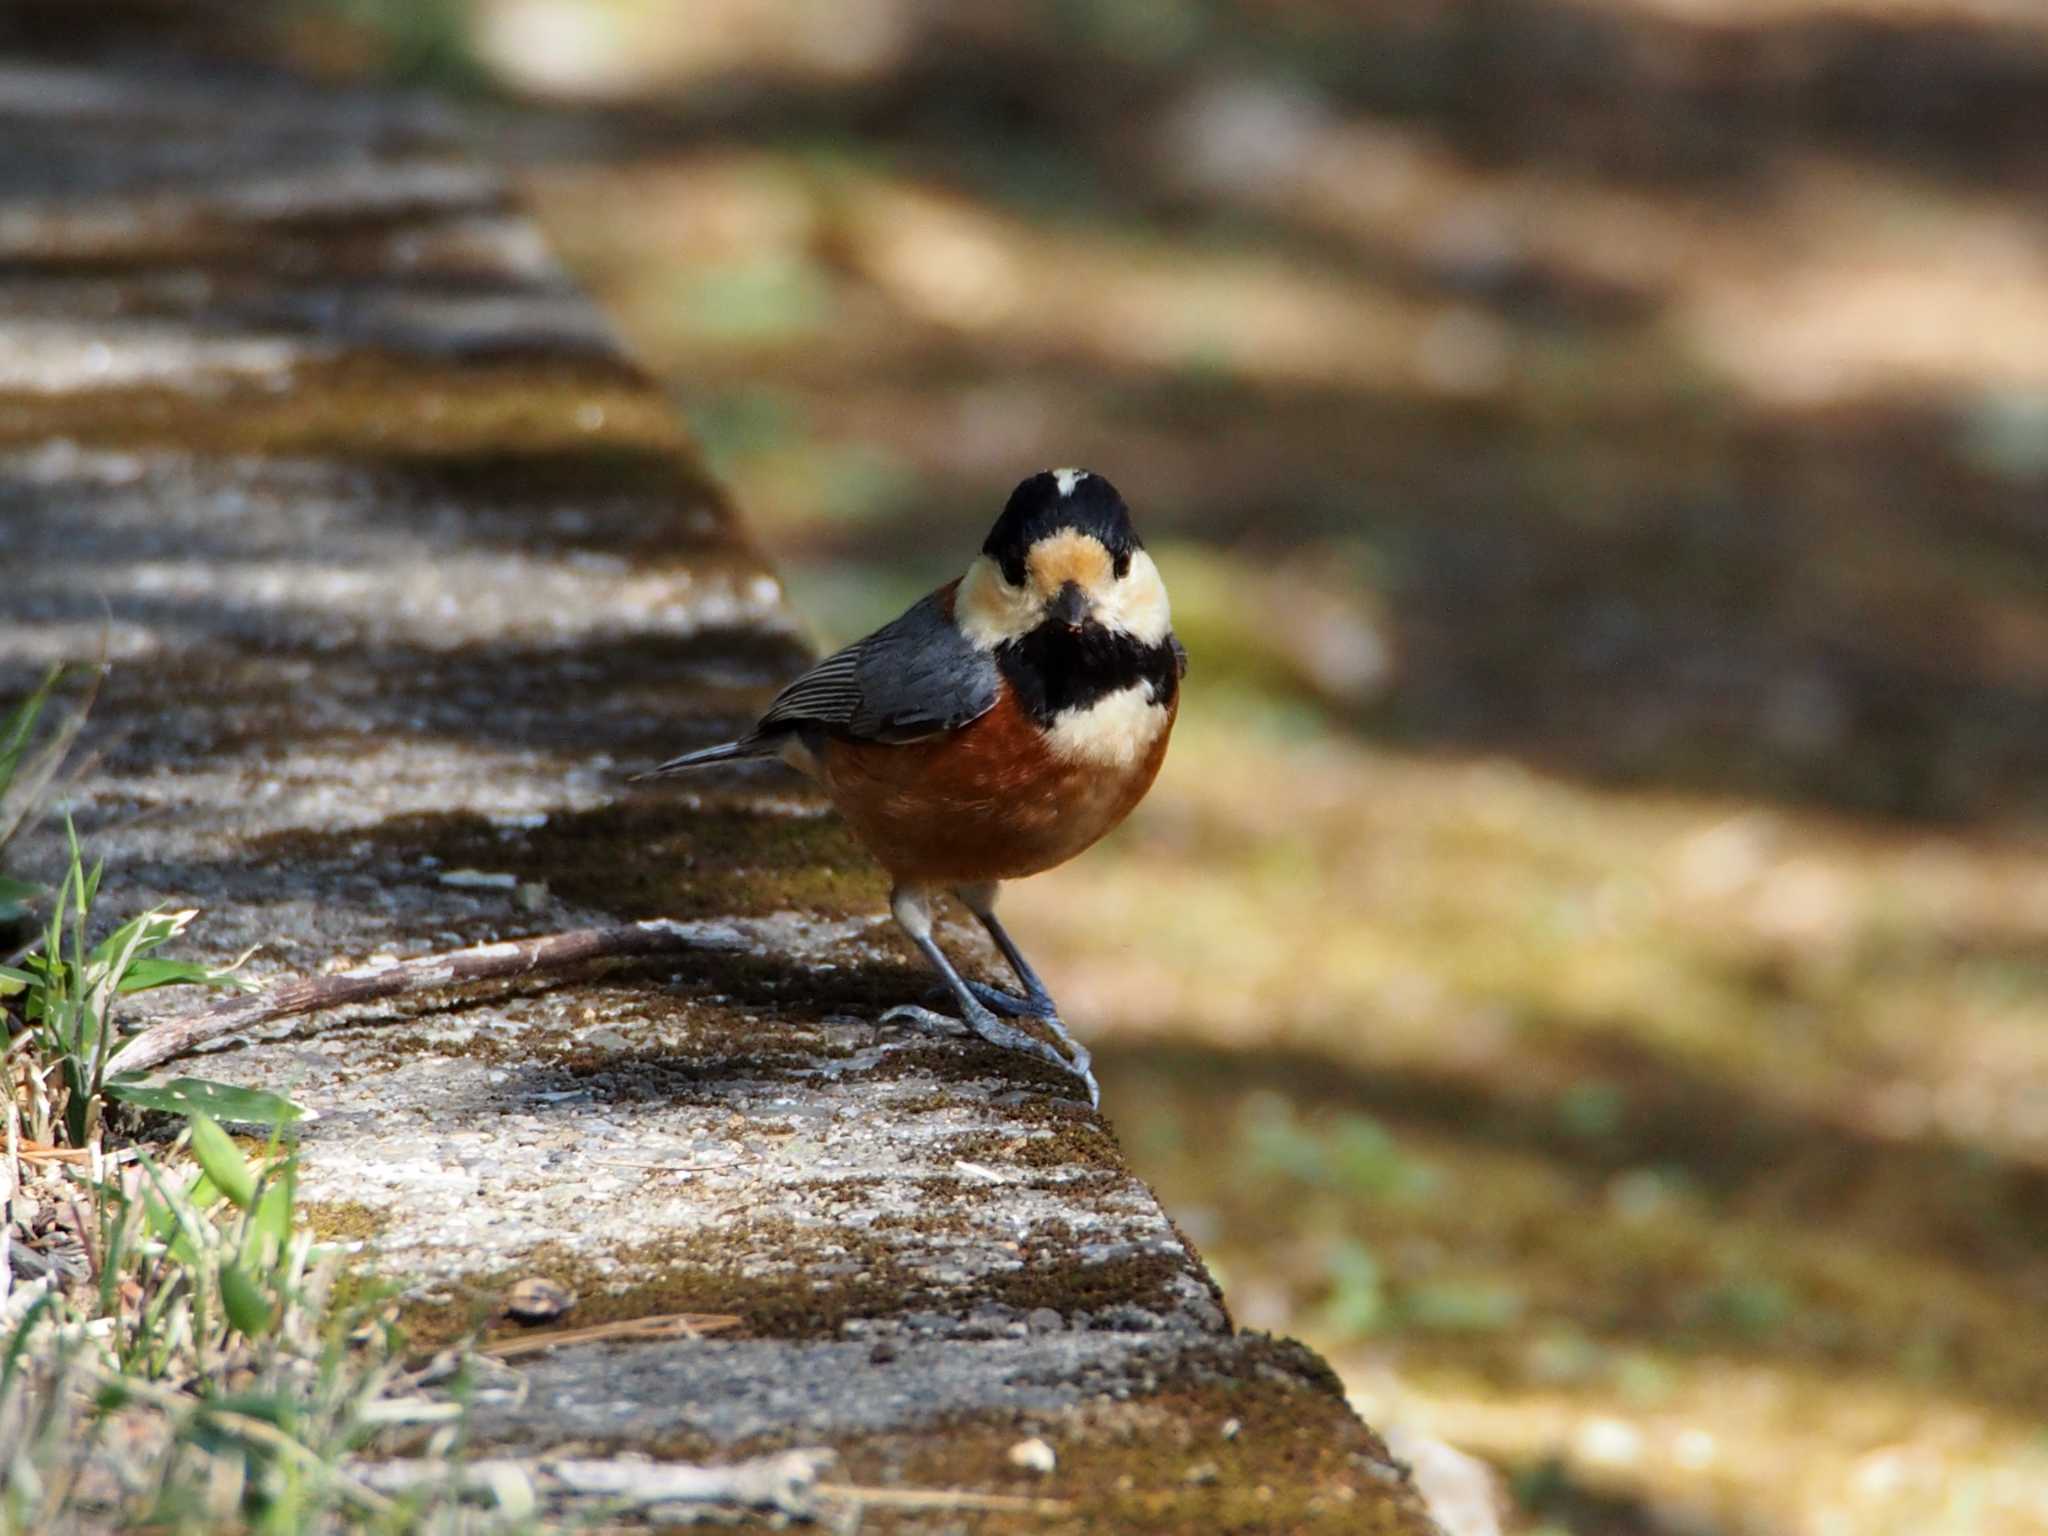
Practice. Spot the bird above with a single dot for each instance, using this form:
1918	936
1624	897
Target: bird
1001	725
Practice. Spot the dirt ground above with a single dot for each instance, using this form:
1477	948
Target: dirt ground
1585	965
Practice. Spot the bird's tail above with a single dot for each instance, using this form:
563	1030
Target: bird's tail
724	752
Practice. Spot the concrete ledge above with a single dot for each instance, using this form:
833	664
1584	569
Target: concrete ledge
400	566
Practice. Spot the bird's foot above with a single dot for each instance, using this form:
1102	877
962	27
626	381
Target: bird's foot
1008	1004
978	1020
929	1020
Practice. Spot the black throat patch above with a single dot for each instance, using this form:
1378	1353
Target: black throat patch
1054	668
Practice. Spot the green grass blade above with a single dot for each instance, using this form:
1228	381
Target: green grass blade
247	1308
19	723
193	1096
222	1161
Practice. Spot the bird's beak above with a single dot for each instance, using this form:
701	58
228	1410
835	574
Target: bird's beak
1070	606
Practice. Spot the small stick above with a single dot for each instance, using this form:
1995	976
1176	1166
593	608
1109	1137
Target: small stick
392	978
944	1498
36	1152
668	1325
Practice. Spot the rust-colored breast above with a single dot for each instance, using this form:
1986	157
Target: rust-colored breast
986	802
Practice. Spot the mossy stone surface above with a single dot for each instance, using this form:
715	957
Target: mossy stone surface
399	570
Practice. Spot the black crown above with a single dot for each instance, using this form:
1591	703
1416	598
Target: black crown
1038	508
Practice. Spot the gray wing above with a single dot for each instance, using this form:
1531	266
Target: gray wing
911	678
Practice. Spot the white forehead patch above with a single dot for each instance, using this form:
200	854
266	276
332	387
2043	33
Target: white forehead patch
1067	479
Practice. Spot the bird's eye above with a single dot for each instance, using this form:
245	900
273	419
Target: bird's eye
1122	564
1013	570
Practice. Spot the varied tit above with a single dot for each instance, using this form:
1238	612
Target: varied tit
999	727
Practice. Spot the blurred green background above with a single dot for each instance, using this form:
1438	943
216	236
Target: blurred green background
1585	965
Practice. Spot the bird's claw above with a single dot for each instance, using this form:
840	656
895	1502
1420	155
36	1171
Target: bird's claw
926	1019
978	1020
1007	1004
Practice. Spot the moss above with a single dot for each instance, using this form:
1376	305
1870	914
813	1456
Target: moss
979	1147
342	1221
260	1149
368	405
952	1221
905	1105
1076	1144
826	1194
1088	1145
970	1062
1050	1277
796	1281
1298	1461
645	857
1158	1462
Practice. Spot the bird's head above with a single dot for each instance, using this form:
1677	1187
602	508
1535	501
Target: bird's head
1064	554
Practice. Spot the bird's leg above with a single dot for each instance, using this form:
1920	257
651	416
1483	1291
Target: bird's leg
912	910
1036	1003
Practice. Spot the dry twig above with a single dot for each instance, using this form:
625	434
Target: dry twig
429	973
667	1325
944	1498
